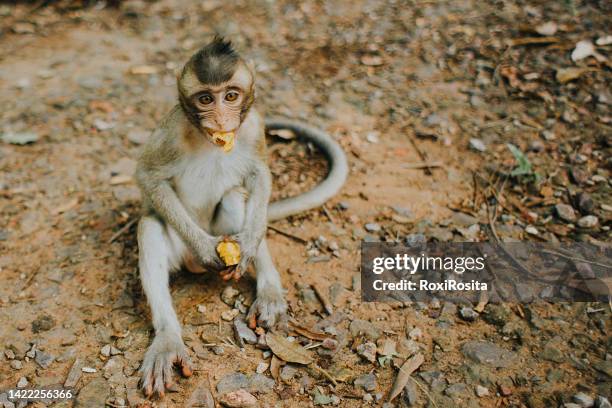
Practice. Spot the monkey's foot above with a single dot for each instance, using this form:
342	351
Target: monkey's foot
269	307
156	369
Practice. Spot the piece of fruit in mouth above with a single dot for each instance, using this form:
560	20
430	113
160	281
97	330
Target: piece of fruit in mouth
229	252
224	139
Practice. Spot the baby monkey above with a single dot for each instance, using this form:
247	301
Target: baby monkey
204	179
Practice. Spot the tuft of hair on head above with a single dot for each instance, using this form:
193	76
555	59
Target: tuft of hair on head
216	62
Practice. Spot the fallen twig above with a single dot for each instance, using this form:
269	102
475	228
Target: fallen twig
123	229
288	235
423	165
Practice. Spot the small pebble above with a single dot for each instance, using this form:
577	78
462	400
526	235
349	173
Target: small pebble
588	221
89	370
22	382
584	400
16	365
230	315
481	391
372	227
468	314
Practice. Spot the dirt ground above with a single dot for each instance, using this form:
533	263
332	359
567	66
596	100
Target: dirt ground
397	84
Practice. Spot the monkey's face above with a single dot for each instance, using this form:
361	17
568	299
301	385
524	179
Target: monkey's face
220	107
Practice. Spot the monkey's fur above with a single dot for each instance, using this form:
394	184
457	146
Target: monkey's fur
194	194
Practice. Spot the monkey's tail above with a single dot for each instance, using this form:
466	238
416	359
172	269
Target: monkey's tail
338	170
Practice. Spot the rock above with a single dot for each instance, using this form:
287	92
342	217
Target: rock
287	372
360	327
588	221
565	212
74	374
16	365
372	227
255	383
497	315
415	239
93	394
584	400
201	397
232	382
43	359
487	353
89	370
604	366
19	138
441	234
4	402
415	333
367	351
579	176
229	295
239	399
468	314
552	353
457	391
477	144
43	323
602	402
102	125
106	350
243	333
585	203
259	383
138	136
366	381
230	315
22	383
481	391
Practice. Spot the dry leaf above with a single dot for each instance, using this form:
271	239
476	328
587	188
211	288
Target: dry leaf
143	70
403	376
120	179
309	333
65	207
286	350
565	75
275	365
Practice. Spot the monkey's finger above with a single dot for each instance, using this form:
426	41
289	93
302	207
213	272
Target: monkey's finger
227	274
171	386
185	366
148	389
237	273
252	321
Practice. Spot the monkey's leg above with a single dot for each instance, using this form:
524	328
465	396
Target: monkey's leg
270	303
230	213
156	256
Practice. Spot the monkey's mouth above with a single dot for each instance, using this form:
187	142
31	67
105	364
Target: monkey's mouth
224	140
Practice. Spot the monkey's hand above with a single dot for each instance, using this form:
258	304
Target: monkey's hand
166	351
205	249
248	249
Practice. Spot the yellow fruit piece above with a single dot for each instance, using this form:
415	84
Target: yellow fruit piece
229	251
224	139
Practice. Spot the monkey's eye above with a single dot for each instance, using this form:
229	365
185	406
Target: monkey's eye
231	96
205	99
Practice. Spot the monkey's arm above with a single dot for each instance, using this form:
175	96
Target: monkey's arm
258	184
338	171
153	175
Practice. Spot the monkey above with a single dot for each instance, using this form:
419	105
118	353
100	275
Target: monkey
196	193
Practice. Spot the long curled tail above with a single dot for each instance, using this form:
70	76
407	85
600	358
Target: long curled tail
338	171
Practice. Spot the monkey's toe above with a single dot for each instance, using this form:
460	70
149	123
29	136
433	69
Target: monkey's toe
157	366
267	309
